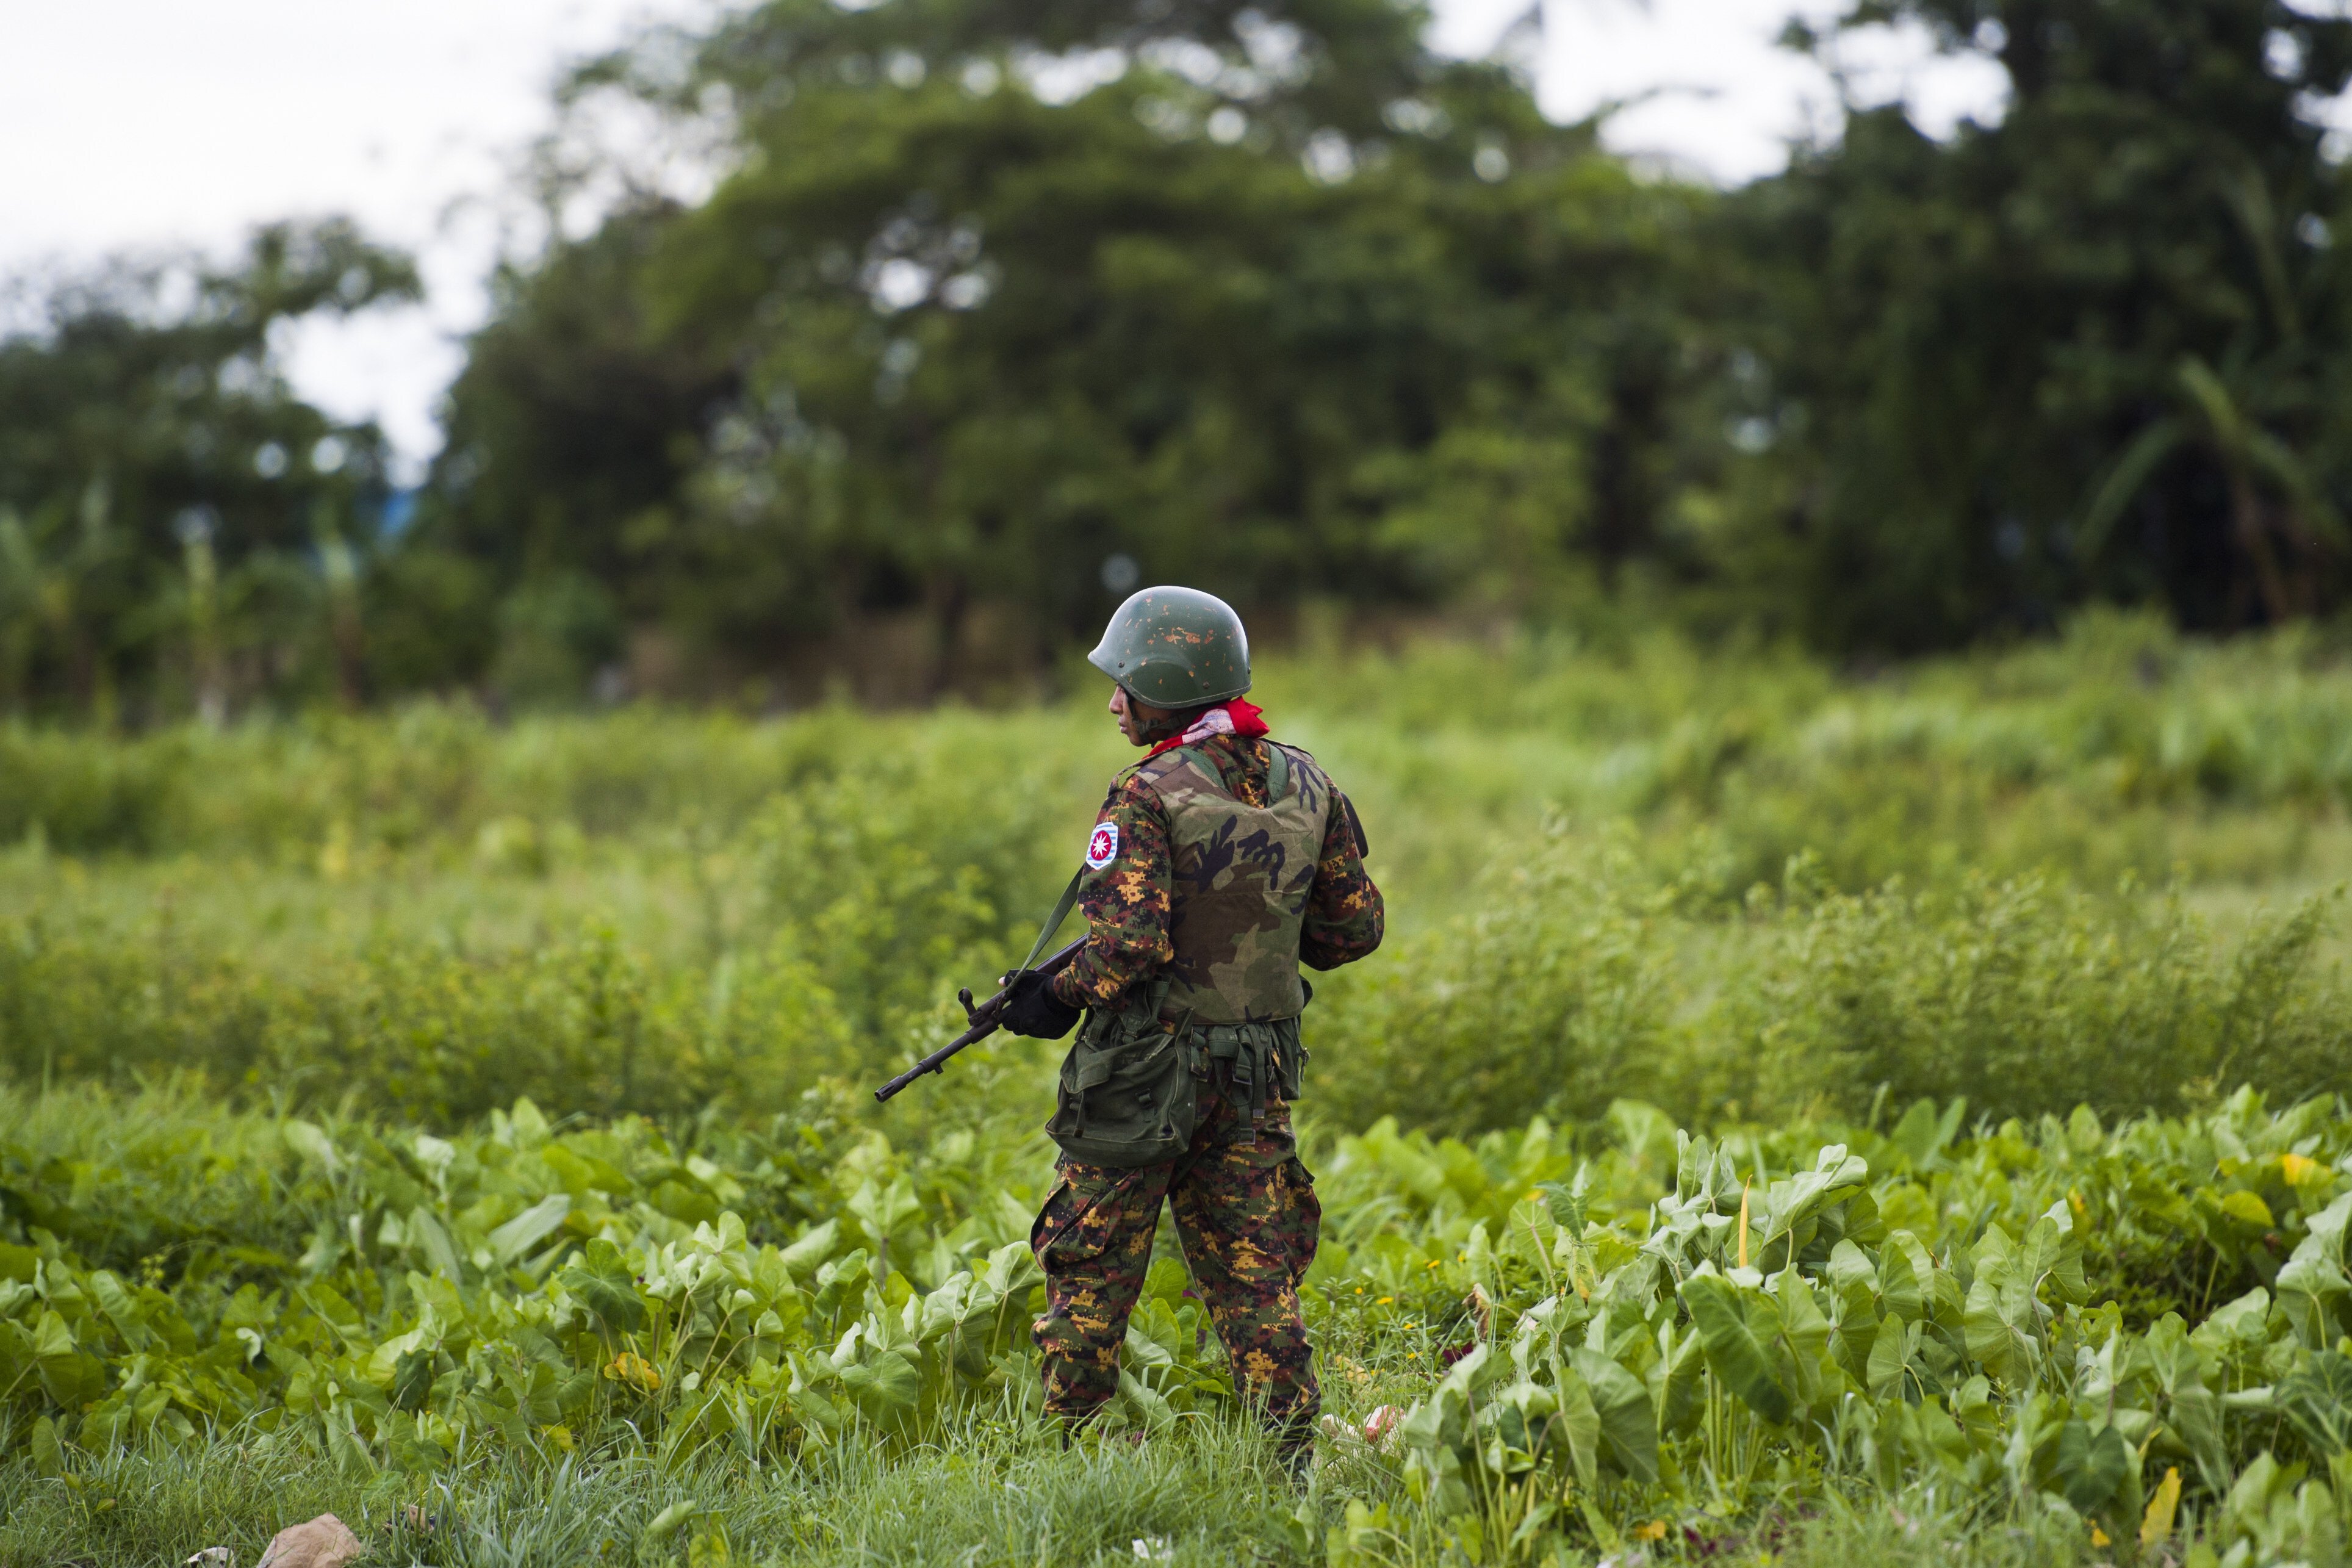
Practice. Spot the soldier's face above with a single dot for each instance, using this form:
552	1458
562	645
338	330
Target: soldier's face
1134	716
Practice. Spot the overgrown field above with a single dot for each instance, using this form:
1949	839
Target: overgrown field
462	1125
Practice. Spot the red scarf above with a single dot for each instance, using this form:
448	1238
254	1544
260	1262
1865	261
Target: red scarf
1232	717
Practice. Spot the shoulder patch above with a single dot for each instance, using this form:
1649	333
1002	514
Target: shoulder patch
1103	847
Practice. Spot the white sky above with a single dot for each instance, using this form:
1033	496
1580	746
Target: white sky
152	123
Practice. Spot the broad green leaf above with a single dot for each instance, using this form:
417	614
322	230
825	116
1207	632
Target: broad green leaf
1578	1423
307	1141
1647	1134
602	1282
1737	1347
2248	1501
2052	1255
426	1234
579	1176
1629	1422
1674	1379
1850	1269
1890	1352
436	1155
1921	1134
408	1449
52	1339
1905	1270
1855	1337
1439	1422
2090	1468
2309	1287
412	1380
2235	1326
2248	1209
536	1394
1999	1320
2194	1414
350	1455
1150	1336
888	1385
1792	1204
527	1229
2317	1399
882	1210
1914	1134
528	1124
48	1454
803	1257
122	1309
1804	1363
1150	1409
1476	1372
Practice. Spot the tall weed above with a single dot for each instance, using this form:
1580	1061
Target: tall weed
1585	977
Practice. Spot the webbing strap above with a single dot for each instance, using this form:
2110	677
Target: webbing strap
1250	1048
1054	922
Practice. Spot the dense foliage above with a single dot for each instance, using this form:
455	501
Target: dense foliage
2137	1328
990	311
2093	348
1291	308
467	1127
1728	887
173	519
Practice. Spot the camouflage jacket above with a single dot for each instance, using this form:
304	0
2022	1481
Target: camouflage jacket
1130	901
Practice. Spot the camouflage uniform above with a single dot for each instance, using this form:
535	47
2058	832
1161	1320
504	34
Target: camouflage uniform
1128	903
1247	1211
1244	1203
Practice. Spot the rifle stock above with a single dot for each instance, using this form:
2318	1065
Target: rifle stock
984	1019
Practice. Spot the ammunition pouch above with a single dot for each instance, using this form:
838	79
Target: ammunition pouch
1260	1057
1129	1089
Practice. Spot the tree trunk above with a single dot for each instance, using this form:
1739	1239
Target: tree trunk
2254	537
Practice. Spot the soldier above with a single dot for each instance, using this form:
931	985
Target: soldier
1219	863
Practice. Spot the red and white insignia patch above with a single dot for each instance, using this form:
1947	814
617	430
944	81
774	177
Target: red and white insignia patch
1103	847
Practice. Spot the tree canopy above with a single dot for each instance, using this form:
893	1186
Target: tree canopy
1289	307
2094	350
994	311
169	511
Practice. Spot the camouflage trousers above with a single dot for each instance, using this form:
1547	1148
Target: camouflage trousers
1248	1218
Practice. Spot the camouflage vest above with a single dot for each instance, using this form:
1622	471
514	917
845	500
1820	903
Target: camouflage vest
1242	876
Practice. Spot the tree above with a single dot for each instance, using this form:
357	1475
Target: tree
2092	350
166	502
999	299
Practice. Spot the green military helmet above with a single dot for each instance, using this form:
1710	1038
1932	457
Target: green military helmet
1175	647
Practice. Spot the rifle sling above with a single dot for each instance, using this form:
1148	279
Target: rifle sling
1062	909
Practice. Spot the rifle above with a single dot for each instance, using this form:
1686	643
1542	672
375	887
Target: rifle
984	1020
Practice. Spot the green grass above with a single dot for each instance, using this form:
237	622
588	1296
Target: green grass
994	1495
269	999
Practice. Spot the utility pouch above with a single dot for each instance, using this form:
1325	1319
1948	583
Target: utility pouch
1127	1095
1289	1059
1263	1060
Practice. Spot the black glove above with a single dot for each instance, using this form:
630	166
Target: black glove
1031	1008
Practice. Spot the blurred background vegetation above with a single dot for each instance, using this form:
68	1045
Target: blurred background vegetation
999	310
2103	870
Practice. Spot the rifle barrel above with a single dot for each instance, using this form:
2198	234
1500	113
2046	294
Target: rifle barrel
984	1024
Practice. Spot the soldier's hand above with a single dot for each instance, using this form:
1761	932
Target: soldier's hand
1031	1008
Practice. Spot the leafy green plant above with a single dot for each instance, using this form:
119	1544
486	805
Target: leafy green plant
1706	1331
